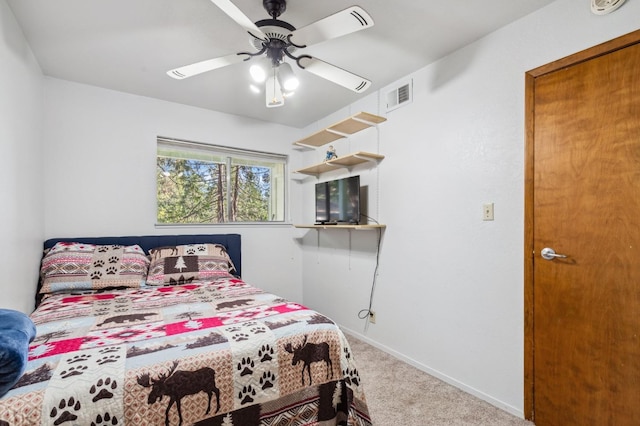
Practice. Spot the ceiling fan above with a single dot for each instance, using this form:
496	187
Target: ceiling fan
276	40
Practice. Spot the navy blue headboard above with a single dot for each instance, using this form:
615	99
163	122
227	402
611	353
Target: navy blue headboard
230	241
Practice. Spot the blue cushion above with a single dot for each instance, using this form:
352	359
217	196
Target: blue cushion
16	332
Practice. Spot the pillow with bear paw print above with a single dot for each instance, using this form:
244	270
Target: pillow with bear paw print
77	266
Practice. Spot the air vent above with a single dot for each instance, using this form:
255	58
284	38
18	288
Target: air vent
400	96
602	7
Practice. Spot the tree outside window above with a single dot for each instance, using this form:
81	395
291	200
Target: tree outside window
203	184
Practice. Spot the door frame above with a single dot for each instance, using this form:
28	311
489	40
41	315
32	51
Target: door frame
530	79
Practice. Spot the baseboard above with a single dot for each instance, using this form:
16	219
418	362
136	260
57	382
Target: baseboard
447	379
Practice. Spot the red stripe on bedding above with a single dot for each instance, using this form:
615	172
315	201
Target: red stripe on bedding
181	288
88	297
187	326
233	317
55	348
289	307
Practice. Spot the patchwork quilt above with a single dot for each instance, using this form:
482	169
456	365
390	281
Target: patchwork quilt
219	352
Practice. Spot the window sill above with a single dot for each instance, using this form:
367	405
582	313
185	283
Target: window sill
224	225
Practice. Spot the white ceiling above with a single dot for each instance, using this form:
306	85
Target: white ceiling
128	45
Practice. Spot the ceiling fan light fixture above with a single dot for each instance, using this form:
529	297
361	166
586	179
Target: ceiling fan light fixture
258	71
287	79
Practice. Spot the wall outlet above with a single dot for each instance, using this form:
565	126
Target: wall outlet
372	317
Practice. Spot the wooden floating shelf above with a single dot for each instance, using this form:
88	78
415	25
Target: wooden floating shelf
348	126
357	227
346	161
320	138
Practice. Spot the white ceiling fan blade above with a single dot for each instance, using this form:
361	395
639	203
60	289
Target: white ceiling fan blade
204	66
341	23
332	73
241	19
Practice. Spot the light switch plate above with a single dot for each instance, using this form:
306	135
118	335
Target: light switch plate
487	211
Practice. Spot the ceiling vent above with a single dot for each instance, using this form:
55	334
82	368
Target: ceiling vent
602	7
400	96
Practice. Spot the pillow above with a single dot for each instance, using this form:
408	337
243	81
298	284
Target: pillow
78	266
187	263
16	331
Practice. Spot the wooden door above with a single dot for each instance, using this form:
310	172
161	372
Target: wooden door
583	201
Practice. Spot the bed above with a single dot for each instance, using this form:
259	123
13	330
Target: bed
154	330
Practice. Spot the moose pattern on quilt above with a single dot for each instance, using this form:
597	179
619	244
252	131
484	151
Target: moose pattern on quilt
209	353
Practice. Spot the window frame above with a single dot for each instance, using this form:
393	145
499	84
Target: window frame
230	154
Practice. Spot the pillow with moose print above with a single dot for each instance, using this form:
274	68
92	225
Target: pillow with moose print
183	264
71	266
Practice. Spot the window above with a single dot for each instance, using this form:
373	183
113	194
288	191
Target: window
202	184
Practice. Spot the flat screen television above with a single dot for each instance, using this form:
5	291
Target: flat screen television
338	201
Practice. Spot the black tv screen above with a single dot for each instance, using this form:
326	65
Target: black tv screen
338	201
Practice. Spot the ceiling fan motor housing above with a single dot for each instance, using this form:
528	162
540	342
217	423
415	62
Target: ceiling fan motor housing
274	7
277	31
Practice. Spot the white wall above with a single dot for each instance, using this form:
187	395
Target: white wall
449	296
100	150
21	213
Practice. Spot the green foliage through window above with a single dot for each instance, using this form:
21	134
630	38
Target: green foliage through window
202	184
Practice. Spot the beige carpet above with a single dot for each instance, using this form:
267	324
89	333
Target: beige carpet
400	394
